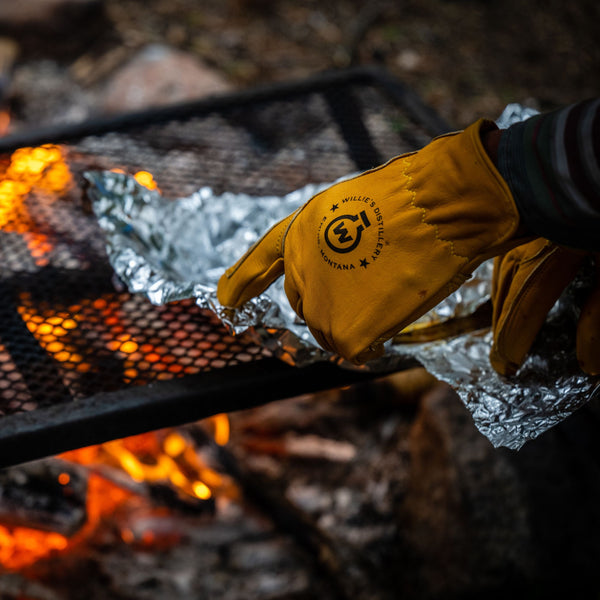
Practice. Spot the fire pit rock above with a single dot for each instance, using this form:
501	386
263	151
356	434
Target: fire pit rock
159	75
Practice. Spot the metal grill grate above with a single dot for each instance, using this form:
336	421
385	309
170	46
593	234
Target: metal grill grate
70	340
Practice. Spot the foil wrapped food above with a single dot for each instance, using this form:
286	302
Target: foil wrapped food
171	249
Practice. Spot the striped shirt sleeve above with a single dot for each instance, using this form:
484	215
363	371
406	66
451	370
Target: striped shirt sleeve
551	163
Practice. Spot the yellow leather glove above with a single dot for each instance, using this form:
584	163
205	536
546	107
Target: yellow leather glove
366	257
527	282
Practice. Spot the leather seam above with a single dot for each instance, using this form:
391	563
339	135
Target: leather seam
424	212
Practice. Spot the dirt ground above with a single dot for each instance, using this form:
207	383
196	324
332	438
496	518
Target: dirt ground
466	58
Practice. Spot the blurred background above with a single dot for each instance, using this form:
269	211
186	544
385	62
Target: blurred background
378	491
68	59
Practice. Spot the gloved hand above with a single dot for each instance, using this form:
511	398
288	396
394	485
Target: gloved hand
527	282
369	255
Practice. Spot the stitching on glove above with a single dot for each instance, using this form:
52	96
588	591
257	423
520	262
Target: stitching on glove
280	237
413	203
283	235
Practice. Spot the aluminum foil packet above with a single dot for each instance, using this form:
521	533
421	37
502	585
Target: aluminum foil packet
172	249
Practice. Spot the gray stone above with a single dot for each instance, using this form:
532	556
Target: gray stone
160	75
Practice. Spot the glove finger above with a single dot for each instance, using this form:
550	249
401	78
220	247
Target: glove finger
588	330
257	269
510	273
530	287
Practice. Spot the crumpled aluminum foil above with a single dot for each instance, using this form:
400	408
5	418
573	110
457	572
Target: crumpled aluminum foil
175	249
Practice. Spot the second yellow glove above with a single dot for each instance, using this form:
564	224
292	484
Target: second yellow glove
527	282
369	255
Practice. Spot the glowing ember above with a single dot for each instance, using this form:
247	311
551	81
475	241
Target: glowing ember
20	546
57	331
64	479
51	329
220	424
146	179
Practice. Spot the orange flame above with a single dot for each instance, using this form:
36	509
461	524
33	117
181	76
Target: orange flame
165	457
41	168
56	330
162	457
21	546
51	329
146	179
220	428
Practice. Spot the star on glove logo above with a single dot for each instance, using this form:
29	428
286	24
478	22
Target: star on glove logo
359	228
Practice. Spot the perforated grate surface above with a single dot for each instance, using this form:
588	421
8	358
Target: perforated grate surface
66	331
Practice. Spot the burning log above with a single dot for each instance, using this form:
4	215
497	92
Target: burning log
58	504
306	446
48	495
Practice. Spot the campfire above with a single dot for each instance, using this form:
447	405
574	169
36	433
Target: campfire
140	492
118	470
373	490
125	471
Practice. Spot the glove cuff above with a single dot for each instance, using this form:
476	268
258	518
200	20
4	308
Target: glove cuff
462	194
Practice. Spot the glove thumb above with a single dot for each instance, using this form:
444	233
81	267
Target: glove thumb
257	269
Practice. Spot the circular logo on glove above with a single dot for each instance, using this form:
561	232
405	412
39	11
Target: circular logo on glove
344	232
351	234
